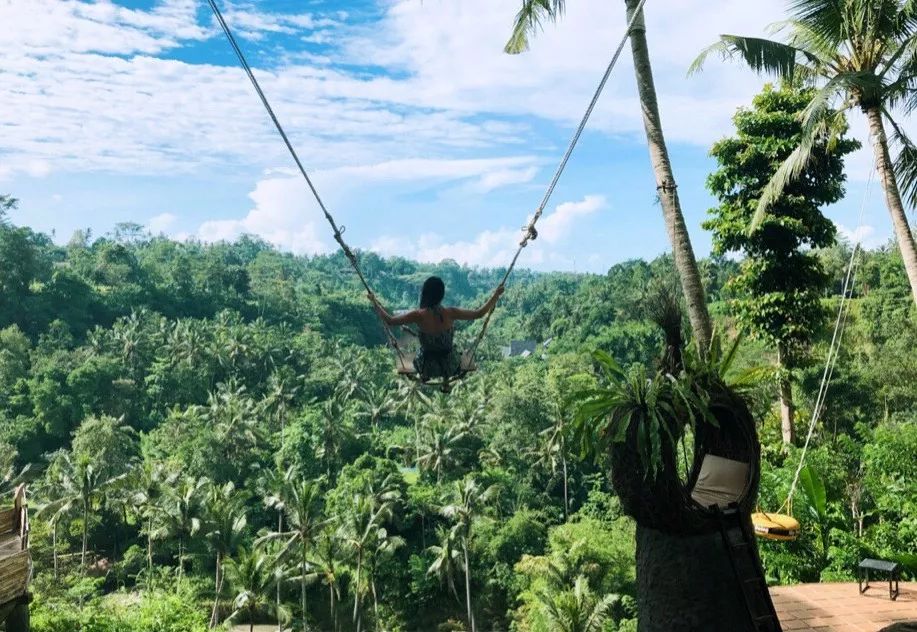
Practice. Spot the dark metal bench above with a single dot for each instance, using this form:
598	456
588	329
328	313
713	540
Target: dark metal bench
891	568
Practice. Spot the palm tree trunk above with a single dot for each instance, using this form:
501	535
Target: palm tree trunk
563	460
215	614
468	585
356	587
85	538
372	583
685	263
302	587
149	554
787	407
884	168
280	530
54	549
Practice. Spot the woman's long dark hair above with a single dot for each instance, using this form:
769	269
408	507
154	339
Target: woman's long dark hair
432	293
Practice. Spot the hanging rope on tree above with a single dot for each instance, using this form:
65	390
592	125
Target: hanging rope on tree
783	526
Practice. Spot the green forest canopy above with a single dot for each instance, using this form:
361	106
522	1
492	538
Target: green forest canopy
161	386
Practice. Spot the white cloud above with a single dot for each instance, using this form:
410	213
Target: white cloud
559	224
487	174
863	234
160	223
70	102
493	248
284	214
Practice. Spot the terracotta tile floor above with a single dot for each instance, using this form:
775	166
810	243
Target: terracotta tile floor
840	607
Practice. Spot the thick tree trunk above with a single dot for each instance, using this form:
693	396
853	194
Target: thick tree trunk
685	263
686	584
787	407
468	586
903	234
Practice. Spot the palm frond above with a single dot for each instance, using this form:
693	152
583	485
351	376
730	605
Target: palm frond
762	55
905	164
529	21
825	19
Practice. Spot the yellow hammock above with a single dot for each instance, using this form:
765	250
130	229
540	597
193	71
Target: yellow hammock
775	526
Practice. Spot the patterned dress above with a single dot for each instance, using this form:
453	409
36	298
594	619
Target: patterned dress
437	357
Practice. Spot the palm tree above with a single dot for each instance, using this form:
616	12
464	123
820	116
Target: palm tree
181	513
368	513
553	453
468	502
447	560
382	545
54	504
83	485
279	399
375	403
326	565
333	434
528	21
301	503
859	54
250	573
577	610
225	521
440	445
150	488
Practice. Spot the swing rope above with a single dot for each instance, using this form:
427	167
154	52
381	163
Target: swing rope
833	351
337	230
529	232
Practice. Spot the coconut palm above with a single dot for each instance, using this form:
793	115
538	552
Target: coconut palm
281	393
576	610
250	573
375	403
54	507
181	509
224	525
82	485
327	568
301	503
447	560
552	454
150	485
359	531
440	445
468	501
528	21
858	54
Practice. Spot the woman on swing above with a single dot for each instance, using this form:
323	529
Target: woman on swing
436	324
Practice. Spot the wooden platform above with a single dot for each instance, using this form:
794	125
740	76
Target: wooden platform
840	607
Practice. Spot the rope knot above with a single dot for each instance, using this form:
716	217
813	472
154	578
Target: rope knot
530	235
667	187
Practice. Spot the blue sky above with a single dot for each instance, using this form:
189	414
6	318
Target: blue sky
424	139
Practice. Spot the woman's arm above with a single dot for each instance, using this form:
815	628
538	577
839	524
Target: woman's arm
458	313
412	317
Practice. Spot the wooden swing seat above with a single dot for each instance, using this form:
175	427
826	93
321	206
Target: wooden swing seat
404	364
773	526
